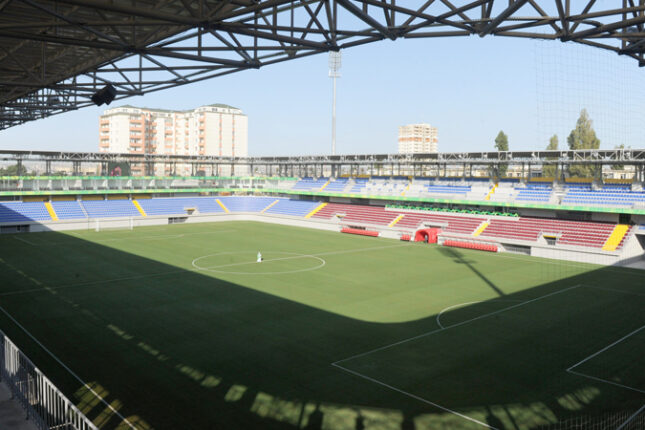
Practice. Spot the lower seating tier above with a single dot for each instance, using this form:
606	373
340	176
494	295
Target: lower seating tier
577	233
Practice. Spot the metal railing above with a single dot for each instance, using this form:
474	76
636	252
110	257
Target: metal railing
45	405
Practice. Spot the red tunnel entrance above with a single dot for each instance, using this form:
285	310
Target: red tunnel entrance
428	235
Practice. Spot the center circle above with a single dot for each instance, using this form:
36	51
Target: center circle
245	263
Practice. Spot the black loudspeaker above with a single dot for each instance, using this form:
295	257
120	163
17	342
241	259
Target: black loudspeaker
104	95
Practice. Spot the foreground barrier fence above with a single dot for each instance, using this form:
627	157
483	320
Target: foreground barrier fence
622	420
44	404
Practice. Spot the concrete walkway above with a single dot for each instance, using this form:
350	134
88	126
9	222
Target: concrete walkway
12	416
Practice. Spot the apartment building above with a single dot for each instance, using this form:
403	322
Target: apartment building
417	138
216	130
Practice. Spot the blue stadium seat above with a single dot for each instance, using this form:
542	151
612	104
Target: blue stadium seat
69	210
178	205
109	208
292	207
23	211
246	204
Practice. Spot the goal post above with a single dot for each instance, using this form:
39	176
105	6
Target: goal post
113	224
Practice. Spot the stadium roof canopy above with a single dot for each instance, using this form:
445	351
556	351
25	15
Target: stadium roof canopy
56	55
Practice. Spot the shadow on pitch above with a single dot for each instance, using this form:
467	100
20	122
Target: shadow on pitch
184	350
458	257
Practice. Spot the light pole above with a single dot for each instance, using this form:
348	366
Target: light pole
334	72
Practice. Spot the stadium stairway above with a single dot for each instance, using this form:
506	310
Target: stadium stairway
358	214
491	192
52	212
325	186
270	206
481	228
407	187
219	202
69	209
616	237
139	208
298	208
318	208
396	220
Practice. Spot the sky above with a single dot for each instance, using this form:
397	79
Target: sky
469	88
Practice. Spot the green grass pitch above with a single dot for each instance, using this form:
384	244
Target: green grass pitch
177	327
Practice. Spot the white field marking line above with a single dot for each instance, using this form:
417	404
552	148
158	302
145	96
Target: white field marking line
285	272
542	260
438	319
606	348
595	378
25	241
421	399
168	236
622	426
347	251
456	325
71	372
606	381
414	396
614	290
211	268
151	275
102	281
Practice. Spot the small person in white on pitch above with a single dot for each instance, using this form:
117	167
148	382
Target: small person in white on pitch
259	257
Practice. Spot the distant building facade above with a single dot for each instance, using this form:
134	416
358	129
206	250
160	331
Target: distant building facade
216	130
417	138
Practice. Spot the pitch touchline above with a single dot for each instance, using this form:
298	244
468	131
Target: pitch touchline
161	236
456	325
566	263
71	372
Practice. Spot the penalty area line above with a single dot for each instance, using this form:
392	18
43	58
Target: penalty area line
595	354
414	396
606	381
584	360
422	335
421	399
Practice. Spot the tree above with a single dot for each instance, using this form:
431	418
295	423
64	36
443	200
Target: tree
583	136
501	141
551	170
13	171
501	144
553	143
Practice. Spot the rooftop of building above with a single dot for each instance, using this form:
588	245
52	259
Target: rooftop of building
215	105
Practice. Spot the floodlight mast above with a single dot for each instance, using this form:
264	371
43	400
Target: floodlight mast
334	72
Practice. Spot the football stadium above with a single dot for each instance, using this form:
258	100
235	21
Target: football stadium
444	290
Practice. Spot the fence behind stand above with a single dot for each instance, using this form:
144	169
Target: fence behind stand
44	404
